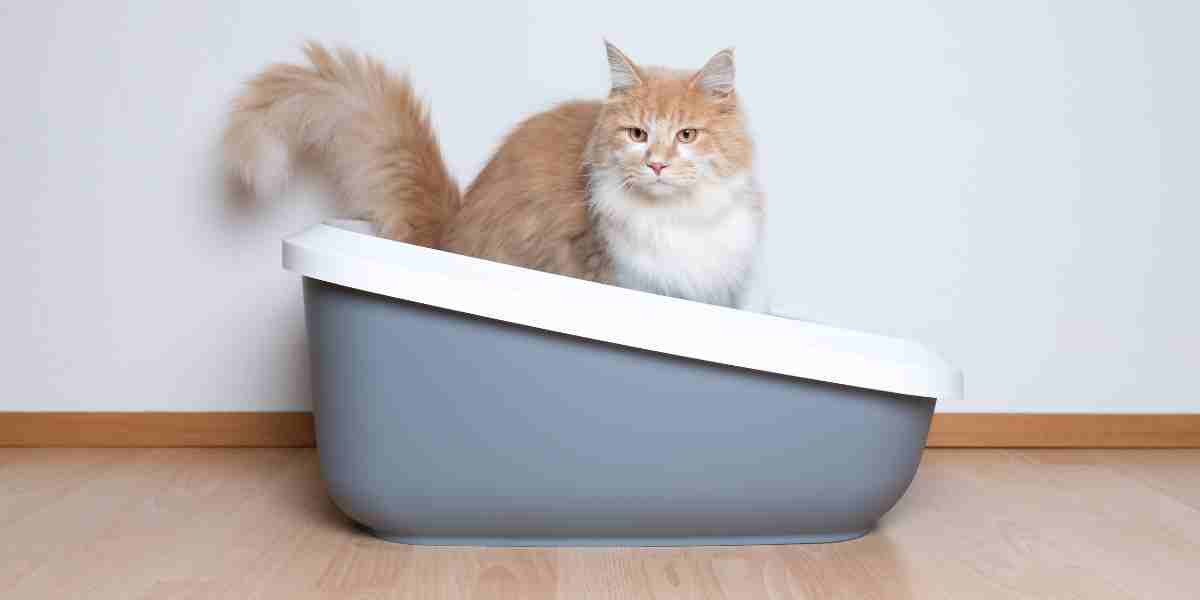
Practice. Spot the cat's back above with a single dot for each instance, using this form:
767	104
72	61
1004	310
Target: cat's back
528	206
545	148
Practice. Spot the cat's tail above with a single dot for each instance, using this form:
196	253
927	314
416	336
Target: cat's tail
364	125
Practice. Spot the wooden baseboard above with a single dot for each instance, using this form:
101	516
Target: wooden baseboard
1016	430
295	429
157	429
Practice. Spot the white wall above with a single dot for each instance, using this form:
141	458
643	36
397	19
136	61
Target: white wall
1013	183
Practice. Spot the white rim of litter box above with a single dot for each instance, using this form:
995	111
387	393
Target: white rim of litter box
345	253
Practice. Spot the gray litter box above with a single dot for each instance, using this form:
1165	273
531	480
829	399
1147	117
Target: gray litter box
465	402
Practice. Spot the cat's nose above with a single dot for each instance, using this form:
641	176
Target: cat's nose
657	167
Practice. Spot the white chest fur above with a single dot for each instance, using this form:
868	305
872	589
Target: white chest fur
701	247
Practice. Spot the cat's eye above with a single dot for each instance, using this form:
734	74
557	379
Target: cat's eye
637	135
686	136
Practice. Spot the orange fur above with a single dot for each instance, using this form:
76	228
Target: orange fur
529	205
368	127
532	205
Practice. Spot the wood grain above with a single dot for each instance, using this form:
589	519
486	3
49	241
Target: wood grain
295	429
256	523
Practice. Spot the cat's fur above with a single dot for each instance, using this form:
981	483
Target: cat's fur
570	190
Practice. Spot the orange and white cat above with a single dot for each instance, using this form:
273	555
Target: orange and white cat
652	188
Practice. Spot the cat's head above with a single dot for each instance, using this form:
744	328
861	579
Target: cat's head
664	131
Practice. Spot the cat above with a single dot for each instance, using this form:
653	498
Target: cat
651	188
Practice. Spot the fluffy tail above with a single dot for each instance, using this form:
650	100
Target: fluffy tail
365	125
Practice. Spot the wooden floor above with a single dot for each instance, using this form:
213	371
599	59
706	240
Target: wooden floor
195	523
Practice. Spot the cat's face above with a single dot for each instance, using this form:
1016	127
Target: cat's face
664	131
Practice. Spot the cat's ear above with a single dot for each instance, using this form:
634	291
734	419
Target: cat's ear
625	74
716	76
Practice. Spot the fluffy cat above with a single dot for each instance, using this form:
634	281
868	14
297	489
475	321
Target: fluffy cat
651	188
